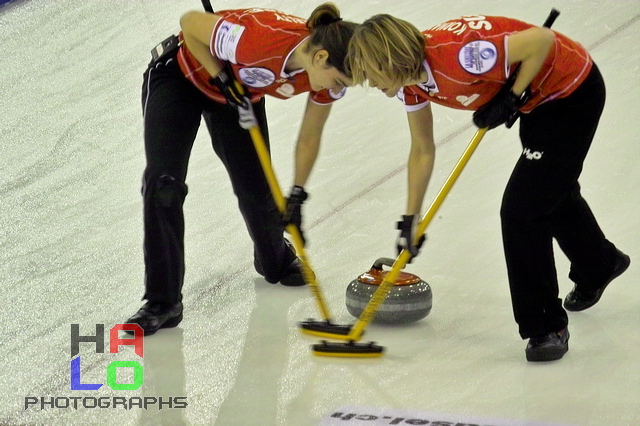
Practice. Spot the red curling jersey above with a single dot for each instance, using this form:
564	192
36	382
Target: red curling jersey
256	43
467	64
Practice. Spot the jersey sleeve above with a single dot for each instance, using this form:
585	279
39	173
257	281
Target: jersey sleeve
412	99
240	37
226	39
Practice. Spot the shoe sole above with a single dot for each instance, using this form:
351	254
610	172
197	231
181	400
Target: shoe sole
626	262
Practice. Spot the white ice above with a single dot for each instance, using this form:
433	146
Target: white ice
71	237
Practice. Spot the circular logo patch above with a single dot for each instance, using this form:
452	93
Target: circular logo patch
257	77
478	57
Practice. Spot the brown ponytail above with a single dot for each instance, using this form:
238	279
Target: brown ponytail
331	33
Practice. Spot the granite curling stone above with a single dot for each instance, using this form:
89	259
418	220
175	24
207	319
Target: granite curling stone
409	300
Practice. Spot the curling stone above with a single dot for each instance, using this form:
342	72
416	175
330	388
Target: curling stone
409	299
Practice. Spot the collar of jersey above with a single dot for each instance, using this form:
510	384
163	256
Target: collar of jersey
430	85
283	73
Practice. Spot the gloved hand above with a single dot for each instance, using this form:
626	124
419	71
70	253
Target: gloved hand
241	102
407	227
293	211
503	108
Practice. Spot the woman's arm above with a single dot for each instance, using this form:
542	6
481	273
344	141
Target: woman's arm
197	30
530	47
308	145
421	157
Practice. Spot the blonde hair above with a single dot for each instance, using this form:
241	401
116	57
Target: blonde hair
385	49
331	33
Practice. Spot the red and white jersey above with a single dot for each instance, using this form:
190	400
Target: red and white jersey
256	43
467	64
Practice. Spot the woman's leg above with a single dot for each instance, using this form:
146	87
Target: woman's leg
235	148
542	201
172	114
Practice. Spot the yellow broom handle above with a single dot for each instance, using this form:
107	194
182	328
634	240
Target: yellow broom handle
437	202
307	272
380	294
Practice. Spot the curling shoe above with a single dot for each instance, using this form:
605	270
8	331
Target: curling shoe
548	347
293	276
155	315
579	300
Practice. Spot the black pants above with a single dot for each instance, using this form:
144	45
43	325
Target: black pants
542	201
172	110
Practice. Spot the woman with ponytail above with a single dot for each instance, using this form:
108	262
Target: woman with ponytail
191	76
502	68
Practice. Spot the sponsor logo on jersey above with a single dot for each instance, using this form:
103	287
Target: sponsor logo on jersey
226	41
257	77
287	90
478	57
467	100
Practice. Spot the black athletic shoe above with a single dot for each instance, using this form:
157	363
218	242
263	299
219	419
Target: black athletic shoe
579	300
548	347
154	315
293	277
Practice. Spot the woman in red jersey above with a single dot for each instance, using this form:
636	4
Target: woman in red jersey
191	76
559	94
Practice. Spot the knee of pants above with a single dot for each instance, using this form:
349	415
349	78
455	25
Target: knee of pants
258	202
164	190
252	192
527	202
517	213
511	206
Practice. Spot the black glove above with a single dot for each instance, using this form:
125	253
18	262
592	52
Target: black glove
293	211
241	102
503	108
405	241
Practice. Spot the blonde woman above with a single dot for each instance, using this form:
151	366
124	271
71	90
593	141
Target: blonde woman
191	77
559	95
